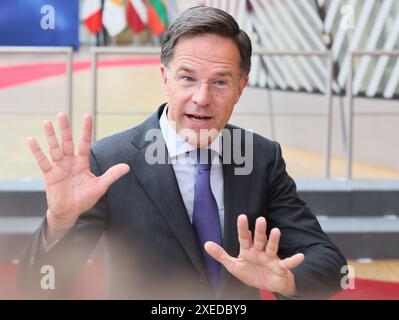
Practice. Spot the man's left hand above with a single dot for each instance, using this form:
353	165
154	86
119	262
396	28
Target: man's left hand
257	264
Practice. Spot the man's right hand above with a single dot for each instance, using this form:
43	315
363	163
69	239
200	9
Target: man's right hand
71	188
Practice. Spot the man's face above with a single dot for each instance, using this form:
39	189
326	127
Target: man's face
203	83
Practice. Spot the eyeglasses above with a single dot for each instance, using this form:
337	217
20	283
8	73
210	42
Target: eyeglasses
219	87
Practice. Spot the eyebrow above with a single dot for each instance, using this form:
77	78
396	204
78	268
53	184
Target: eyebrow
224	73
184	68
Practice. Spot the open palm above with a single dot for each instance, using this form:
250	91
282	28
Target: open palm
257	264
71	188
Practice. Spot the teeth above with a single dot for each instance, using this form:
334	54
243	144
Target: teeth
194	118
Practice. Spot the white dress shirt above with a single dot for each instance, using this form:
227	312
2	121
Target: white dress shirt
183	158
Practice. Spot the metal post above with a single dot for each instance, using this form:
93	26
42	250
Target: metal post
329	97
94	78
68	52
351	113
343	122
69	87
349	145
94	93
271	114
273	134
329	94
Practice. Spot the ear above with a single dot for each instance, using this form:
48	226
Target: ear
165	78
163	72
241	86
243	83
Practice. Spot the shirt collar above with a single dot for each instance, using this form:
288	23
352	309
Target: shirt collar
174	142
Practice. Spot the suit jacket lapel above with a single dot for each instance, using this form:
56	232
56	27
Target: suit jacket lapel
159	182
236	188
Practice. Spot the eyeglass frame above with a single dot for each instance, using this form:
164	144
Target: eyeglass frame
196	85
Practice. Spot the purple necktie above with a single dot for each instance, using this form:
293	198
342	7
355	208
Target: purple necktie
206	220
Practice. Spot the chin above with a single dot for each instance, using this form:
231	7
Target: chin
199	139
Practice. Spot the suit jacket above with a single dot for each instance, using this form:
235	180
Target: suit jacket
151	247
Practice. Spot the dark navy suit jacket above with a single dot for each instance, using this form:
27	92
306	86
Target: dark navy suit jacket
151	248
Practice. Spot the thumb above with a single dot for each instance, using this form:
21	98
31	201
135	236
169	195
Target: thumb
113	174
292	262
219	254
214	250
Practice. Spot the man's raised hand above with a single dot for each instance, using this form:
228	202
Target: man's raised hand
257	264
71	188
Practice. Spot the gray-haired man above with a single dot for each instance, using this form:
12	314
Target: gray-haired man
152	215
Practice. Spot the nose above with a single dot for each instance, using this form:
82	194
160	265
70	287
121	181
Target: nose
202	94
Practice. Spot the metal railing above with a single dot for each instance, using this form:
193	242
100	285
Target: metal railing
348	147
329	94
155	51
95	52
67	51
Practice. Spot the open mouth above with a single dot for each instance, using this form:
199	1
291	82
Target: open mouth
198	118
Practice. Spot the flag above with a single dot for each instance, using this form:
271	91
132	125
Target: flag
137	15
114	17
172	9
157	17
90	14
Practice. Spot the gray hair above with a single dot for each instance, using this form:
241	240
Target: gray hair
207	20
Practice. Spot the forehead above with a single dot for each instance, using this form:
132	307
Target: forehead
207	53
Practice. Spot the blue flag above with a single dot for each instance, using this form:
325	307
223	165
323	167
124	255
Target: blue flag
39	23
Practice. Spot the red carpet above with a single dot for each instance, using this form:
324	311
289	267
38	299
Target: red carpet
92	285
370	289
364	290
19	74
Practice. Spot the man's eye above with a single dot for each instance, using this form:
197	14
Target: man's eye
220	83
187	79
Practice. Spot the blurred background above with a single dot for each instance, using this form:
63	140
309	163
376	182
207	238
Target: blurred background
324	83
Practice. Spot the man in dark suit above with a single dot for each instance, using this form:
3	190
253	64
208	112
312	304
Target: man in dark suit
174	225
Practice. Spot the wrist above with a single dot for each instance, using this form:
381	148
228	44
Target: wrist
57	226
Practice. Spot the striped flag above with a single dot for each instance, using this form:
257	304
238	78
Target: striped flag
157	17
90	14
137	15
114	17
172	9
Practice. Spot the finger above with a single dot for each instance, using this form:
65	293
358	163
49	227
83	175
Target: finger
273	243
66	135
220	255
243	232
113	174
37	152
293	261
260	237
85	139
54	148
